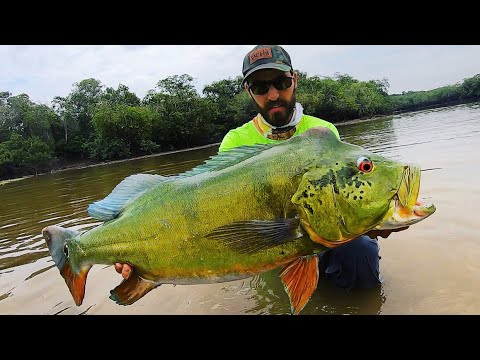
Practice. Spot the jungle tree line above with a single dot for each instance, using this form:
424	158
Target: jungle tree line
100	123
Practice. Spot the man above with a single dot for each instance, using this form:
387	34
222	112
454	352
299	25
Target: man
271	83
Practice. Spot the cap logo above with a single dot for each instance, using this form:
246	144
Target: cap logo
263	53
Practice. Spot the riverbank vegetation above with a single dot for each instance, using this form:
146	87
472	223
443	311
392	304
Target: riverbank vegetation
96	123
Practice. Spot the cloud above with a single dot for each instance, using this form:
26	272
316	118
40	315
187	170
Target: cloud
46	71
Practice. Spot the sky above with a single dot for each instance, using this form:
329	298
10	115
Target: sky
46	71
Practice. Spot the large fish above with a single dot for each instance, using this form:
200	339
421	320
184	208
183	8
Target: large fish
242	212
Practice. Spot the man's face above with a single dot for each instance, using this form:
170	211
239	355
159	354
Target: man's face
276	106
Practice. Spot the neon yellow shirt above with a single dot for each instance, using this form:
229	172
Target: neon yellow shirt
248	134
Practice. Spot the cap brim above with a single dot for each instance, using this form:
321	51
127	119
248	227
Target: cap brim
281	67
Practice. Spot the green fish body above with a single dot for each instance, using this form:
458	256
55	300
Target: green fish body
243	212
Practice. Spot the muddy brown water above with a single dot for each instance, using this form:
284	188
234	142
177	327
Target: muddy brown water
431	268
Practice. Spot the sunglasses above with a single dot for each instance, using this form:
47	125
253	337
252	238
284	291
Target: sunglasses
262	87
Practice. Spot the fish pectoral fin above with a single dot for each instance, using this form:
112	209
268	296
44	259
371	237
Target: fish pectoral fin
254	235
300	278
131	290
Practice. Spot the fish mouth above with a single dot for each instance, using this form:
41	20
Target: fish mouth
405	207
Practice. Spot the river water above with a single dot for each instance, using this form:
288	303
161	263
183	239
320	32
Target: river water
431	268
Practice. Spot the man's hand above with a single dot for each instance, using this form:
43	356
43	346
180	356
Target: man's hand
124	269
382	233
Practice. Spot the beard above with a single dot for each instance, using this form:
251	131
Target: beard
278	119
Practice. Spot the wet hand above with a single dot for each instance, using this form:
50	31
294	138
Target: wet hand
124	269
384	233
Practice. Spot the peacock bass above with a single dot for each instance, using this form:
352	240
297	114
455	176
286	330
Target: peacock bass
249	210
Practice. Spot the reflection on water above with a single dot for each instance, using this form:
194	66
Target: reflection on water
432	268
62	199
327	300
376	135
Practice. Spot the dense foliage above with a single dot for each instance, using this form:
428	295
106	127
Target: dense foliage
94	123
467	91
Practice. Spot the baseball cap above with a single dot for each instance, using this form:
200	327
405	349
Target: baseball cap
266	57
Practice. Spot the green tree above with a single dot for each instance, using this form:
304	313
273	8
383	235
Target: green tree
470	87
20	115
222	94
120	96
184	119
122	131
76	113
31	154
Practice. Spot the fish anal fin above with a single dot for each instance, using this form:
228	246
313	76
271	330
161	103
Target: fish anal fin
300	278
131	290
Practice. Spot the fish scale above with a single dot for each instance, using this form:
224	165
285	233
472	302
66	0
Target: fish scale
243	212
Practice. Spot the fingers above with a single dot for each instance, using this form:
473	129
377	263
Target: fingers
124	269
127	269
388	232
374	233
384	233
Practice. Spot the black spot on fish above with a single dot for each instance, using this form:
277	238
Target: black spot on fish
361	191
346	174
311	194
361	198
355	197
327	179
333	181
321	202
369	183
308	207
305	194
323	181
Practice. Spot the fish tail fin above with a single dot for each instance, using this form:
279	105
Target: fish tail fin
56	238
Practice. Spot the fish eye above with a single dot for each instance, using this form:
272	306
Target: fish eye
65	250
364	164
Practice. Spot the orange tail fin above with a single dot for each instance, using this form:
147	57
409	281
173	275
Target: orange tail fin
56	238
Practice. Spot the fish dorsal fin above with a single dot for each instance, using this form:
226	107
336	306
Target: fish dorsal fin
127	190
300	278
254	235
131	290
227	158
135	185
